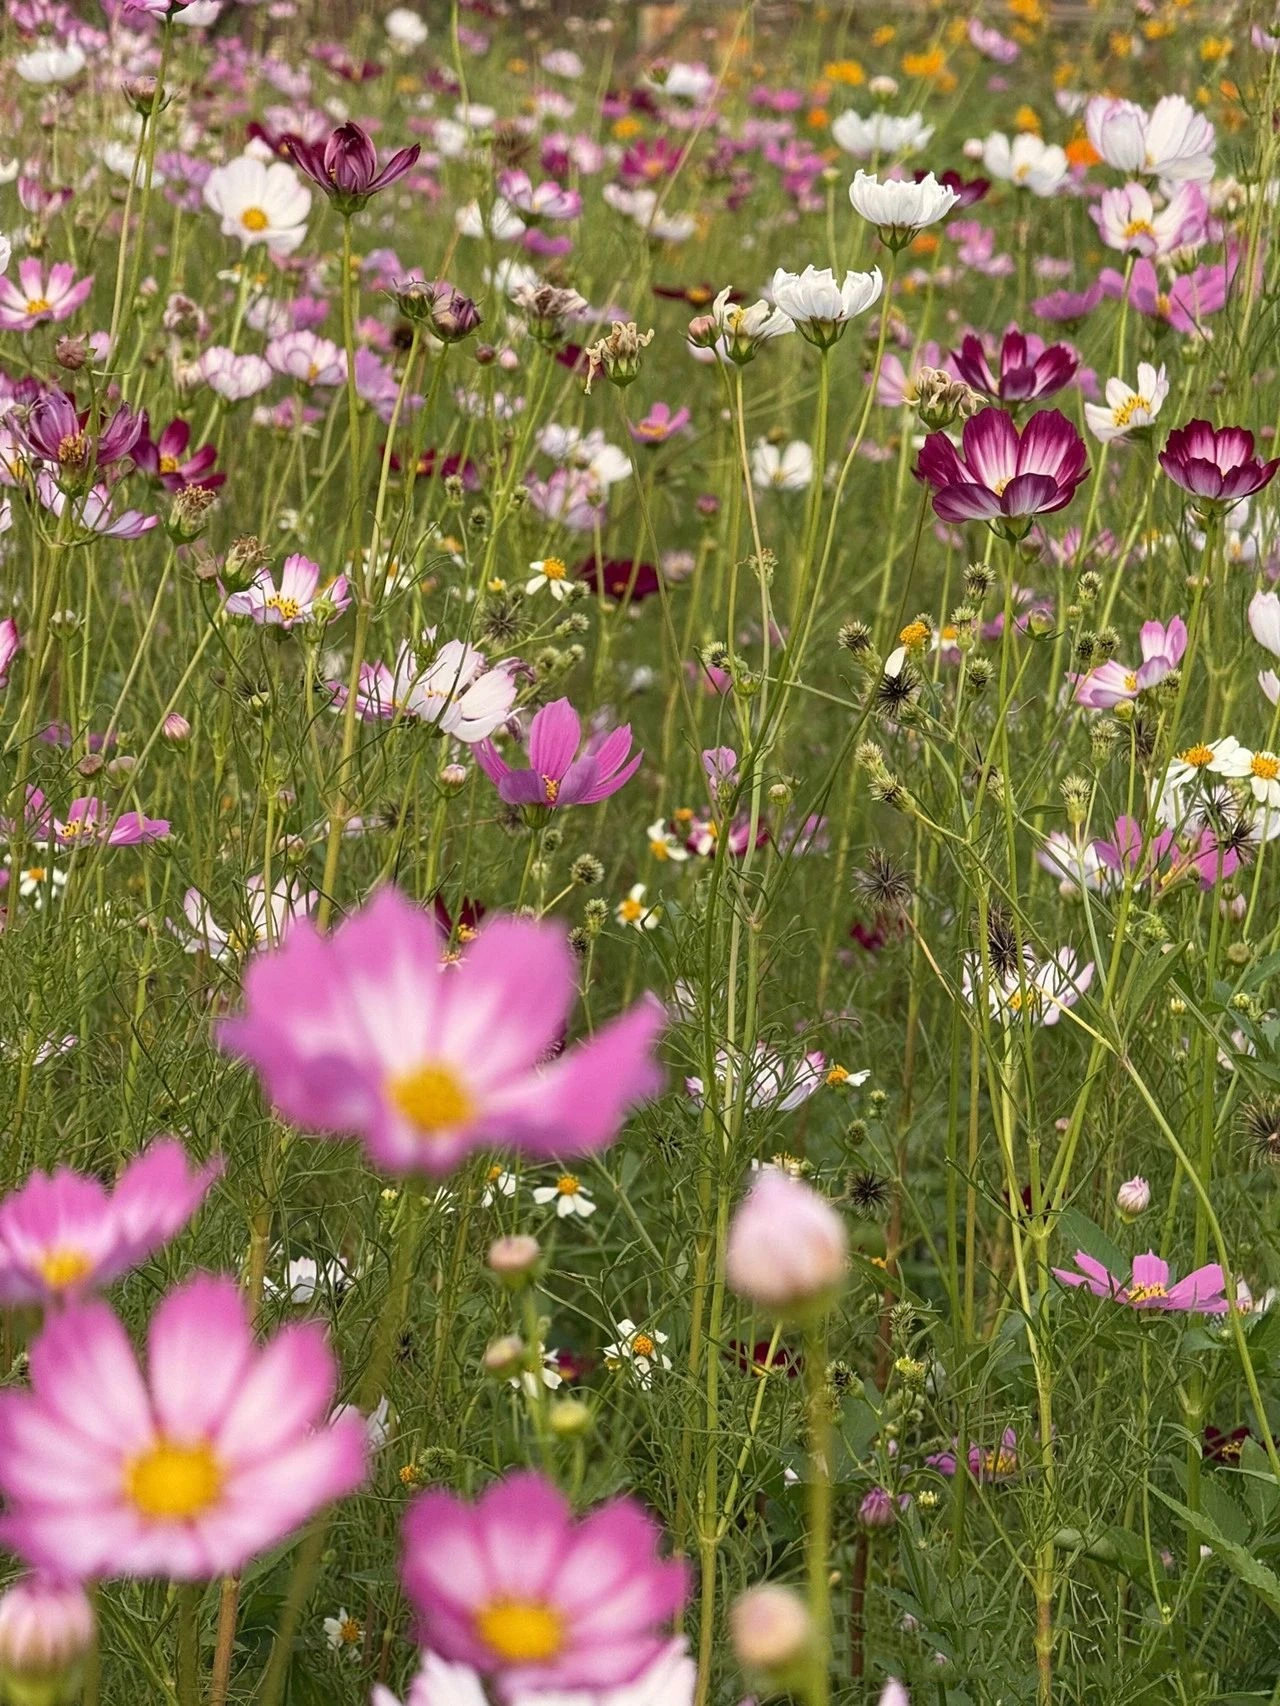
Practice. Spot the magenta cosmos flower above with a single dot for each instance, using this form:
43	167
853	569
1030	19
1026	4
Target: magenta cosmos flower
1028	368
166	460
1200	1292
62	1234
1113	681
1216	465
369	1031
1001	476
38	296
985	1463
520	1590
88	821
557	776
345	165
187	1470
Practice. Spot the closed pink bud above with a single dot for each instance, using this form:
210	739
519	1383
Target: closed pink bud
787	1246
176	729
46	1631
1133	1197
877	1509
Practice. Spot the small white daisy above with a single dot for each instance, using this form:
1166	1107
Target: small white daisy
639	1346
568	1196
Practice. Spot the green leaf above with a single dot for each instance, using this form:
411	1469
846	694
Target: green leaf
1264	1582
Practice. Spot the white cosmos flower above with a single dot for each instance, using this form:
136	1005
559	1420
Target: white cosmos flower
819	306
1239	764
664	845
743	327
260	203
234	377
1173	141
344	1632
641	1347
899	207
880	133
669	1681
502	222
51	62
687	83
568	1195
405	29
1126	409
781	468
1028	161
1264	620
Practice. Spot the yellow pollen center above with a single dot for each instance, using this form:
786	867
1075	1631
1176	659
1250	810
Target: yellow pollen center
1197	756
494	1174
631	910
554	569
173	1482
1000	1462
60	1268
1139	228
1142	1293
254	219
1163	304
567	1185
39	305
552	789
642	1345
999	486
1122	416
168	464
1232	1451
349	1632
289	608
1130	682
37	873
914	634
521	1631
837	1075
73	448
1265	765
432	1098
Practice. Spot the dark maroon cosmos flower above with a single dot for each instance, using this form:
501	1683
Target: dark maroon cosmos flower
1217	466
1001	476
52	429
1028	369
346	165
969	190
165	458
619	577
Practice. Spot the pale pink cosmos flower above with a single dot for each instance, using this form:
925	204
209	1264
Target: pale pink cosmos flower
558	775
1201	1292
265	918
10	646
38	297
1264	621
310	359
456	691
788	1249
91	510
234	377
517	1588
297	598
89	821
1113	682
64	1234
186	1470
1173	141
669	1681
370	1032
1128	219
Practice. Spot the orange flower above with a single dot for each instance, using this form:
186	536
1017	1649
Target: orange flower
1214	48
817	118
1027	118
924	65
925	243
846	71
882	35
1081	152
625	128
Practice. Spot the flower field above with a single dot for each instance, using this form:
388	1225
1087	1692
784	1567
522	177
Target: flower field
639	1044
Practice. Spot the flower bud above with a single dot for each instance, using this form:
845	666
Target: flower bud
505	1357
1133	1197
772	1633
569	1417
787	1246
46	1632
877	1509
514	1258
176	729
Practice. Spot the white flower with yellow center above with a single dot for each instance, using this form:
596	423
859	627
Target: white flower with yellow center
641	1347
568	1195
551	573
344	1633
260	203
665	845
635	912
1125	409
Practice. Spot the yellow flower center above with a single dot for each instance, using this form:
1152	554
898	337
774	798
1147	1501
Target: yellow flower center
172	1482
60	1268
1197	756
521	1631
168	464
567	1185
1130	682
1141	1293
1122	416
494	1174
1139	228
38	305
553	569
631	911
1265	765
349	1631
914	635
289	608
552	789
432	1098
837	1075
1163	305
37	873
254	219
1002	1462
642	1345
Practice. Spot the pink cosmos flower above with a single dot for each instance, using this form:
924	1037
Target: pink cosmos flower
1028	368
345	165
234	377
456	691
669	1681
1004	477
1173	141
54	431
661	423
1068	307
991	43
297	598
1128	220
37	297
166	460
64	1234
91	510
369	1031
1217	466
10	646
307	358
1187	300
985	1464
538	201
1113	681
87	820
1162	860
187	1470
520	1590
895	386
1200	1292
557	775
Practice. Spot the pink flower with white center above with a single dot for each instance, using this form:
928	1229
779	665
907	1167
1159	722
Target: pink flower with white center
669	1681
234	377
1003	476
1200	1292
1127	410
558	775
310	359
519	1589
39	297
1173	141
1112	682
538	201
10	646
264	918
297	598
89	821
187	1470
456	691
65	1234
1216	465
91	510
1128	219
372	1032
